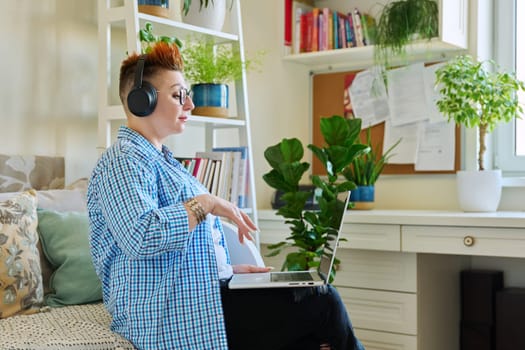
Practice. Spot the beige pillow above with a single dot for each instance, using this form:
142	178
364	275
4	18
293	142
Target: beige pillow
21	289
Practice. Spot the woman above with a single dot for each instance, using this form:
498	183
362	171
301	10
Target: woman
157	242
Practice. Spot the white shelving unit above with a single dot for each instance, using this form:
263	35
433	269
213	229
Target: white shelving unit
119	25
453	38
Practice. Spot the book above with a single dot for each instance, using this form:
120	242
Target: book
350	36
288	18
298	10
212	174
358	28
315	29
243	175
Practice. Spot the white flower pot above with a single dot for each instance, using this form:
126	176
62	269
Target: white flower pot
211	17
479	191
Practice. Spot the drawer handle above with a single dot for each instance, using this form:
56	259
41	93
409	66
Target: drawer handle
468	241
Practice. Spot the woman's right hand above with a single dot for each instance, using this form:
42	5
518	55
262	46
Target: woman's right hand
223	208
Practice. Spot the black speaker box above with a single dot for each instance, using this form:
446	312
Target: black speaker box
478	295
477	336
510	319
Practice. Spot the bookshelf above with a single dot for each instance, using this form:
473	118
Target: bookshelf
453	39
118	27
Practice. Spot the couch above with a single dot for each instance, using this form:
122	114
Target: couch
50	296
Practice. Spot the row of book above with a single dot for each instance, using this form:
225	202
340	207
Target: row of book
223	171
310	29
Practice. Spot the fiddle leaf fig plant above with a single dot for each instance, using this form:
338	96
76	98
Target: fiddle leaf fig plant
311	230
478	94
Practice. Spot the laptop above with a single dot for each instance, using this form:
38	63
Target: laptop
297	278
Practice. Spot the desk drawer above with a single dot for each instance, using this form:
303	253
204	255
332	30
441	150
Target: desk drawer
373	340
381	311
509	242
372	236
377	270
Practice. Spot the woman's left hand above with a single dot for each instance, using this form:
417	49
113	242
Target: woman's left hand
245	268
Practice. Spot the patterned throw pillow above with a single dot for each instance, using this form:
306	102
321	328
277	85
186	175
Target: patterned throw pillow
21	289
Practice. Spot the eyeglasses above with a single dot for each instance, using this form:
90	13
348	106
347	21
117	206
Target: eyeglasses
183	95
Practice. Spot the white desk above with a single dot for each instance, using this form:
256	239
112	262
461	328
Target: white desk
399	272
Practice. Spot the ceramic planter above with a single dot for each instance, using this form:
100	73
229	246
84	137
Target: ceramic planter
479	191
211	17
363	197
210	100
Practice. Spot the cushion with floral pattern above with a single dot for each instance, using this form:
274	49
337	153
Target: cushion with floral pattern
21	289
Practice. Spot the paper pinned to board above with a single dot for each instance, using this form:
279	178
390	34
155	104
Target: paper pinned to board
436	148
369	100
406	94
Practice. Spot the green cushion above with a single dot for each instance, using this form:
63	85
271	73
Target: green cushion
65	242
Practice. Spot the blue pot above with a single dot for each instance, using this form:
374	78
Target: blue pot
160	3
363	194
210	99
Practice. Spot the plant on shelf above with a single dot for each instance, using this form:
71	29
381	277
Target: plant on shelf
478	94
365	170
209	67
202	4
400	22
148	39
210	14
311	230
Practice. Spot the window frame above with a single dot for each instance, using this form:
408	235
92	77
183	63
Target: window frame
504	155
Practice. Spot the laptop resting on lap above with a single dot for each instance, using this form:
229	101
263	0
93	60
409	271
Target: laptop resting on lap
297	278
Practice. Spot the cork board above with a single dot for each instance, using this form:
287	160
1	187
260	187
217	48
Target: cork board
327	90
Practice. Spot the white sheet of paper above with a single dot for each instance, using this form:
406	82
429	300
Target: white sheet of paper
436	147
369	98
432	93
406	94
405	151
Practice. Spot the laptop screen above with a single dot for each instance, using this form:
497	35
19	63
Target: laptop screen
328	257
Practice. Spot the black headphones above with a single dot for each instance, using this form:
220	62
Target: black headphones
142	99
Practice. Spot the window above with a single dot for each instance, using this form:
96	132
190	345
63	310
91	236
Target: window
510	54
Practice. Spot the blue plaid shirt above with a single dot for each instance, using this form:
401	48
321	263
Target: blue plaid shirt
160	281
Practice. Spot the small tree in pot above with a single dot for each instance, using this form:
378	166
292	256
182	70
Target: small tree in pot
311	230
478	94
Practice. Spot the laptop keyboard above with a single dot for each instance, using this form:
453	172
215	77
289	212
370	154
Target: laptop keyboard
291	276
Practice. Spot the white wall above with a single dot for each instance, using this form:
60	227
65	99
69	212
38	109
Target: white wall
48	71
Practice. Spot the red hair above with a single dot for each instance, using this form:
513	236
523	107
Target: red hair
162	56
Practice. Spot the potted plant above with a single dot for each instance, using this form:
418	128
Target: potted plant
311	230
147	38
478	94
210	67
206	13
364	172
154	7
402	21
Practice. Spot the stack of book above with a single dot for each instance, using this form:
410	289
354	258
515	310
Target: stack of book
224	172
311	29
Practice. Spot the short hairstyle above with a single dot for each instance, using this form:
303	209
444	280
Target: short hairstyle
161	56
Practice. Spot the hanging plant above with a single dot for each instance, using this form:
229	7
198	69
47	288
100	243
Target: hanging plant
402	21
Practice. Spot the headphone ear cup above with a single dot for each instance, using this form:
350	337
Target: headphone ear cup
142	100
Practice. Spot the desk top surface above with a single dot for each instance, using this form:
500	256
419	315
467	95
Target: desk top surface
512	219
